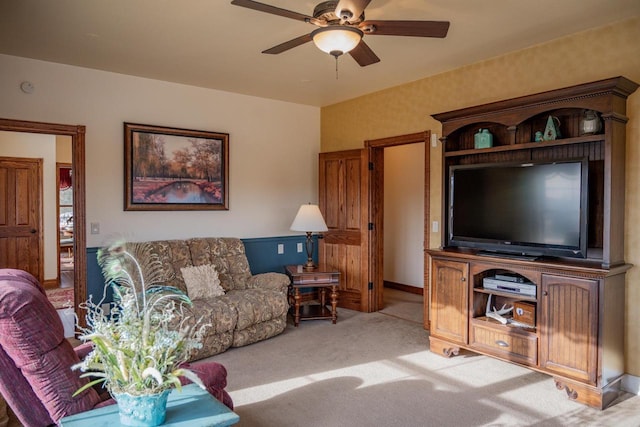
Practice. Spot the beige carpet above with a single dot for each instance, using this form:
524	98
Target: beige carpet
403	305
376	370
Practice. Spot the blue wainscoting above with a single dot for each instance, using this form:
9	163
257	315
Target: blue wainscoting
262	254
95	281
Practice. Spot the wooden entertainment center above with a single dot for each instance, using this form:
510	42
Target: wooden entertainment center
577	332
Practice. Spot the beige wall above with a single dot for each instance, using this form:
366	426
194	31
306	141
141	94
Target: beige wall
404	214
596	54
273	146
63	149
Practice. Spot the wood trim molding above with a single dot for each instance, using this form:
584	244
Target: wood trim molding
405	288
392	141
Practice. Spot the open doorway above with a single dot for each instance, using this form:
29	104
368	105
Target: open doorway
404	231
64	220
78	246
403	261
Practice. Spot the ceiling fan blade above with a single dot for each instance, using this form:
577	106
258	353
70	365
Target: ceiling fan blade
406	28
348	10
288	45
363	54
261	7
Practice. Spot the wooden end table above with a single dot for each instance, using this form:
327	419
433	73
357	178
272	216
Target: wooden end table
321	278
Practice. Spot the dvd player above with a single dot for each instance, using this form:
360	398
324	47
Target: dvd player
510	277
494	284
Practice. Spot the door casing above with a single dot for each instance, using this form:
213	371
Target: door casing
377	147
77	134
375	206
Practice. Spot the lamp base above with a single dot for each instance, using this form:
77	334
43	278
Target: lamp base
309	243
309	266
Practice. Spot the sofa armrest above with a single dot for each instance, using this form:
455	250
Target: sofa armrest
276	281
214	377
83	349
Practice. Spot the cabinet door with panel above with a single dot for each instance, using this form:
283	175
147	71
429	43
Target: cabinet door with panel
569	327
450	300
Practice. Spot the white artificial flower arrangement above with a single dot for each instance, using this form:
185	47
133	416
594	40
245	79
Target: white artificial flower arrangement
140	345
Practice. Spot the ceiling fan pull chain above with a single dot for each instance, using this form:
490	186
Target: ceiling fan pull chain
336	56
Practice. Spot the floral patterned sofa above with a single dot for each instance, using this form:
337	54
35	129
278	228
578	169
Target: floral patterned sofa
252	308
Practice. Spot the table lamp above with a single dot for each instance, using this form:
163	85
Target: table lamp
309	219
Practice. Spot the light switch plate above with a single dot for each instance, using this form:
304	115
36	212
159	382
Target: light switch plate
95	228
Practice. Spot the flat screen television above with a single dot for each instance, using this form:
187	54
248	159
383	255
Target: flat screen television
530	209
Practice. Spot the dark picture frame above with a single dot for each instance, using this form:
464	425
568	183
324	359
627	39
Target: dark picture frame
170	169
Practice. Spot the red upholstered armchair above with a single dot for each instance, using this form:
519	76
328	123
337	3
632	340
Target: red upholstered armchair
35	359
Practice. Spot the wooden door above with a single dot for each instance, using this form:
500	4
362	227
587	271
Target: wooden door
21	215
450	300
568	338
344	202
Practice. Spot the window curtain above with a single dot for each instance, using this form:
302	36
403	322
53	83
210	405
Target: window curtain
65	178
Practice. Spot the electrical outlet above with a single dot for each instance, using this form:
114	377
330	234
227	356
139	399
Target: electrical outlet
280	248
299	247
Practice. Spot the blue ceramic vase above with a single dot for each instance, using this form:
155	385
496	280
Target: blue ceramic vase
142	411
483	139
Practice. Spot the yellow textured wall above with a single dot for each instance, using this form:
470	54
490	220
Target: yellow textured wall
592	55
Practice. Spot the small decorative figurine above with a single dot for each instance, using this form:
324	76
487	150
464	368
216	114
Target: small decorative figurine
552	131
483	139
538	136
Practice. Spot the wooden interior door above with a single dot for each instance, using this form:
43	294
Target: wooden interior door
21	215
344	202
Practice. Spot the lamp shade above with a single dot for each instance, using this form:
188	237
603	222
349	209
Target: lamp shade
336	40
309	219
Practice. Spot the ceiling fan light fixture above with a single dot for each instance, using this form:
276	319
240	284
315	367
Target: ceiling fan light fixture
336	40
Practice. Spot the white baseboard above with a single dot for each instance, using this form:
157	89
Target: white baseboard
631	384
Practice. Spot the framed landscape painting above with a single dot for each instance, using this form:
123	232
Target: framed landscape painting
175	169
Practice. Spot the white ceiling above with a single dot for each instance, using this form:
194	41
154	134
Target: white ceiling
213	44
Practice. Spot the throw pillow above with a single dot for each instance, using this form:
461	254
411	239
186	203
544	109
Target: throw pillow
202	281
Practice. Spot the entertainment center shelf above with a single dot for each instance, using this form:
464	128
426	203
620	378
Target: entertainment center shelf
526	146
504	294
572	326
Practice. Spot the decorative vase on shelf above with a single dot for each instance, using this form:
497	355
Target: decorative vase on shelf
590	123
147	410
483	139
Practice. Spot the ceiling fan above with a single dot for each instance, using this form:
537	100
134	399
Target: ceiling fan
342	25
